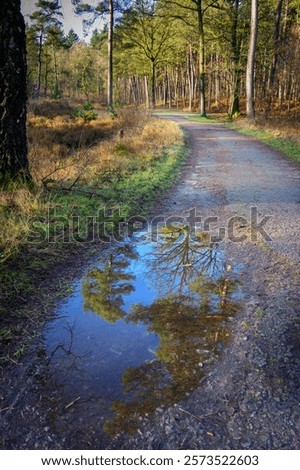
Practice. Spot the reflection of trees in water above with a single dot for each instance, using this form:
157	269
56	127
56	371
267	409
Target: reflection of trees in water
182	255
191	329
105	286
191	322
189	316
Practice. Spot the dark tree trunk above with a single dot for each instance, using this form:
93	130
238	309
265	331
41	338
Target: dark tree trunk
276	38
273	68
13	142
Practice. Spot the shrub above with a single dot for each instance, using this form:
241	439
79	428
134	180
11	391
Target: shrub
86	112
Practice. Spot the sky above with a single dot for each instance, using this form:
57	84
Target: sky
69	20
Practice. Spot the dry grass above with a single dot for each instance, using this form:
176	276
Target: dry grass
51	108
64	150
281	127
16	209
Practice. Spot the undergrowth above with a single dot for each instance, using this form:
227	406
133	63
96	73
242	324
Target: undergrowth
80	167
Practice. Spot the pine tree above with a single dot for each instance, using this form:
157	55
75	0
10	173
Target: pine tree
42	20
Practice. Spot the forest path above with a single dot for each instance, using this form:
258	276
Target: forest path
227	173
250	400
249	396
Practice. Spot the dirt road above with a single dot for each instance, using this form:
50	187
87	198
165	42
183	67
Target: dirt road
251	399
248	199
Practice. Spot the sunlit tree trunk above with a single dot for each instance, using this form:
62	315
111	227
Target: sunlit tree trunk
146	92
234	107
56	78
39	71
189	64
110	56
201	59
251	61
153	85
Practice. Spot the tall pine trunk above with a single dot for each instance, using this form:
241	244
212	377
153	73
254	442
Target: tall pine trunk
13	141
153	85
39	70
251	61
201	59
273	67
234	107
110	56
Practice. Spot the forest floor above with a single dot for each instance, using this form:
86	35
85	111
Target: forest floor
250	398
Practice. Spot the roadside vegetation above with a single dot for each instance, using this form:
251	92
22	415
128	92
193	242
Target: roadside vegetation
82	169
80	166
280	133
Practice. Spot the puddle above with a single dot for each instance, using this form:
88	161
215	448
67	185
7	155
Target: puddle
140	330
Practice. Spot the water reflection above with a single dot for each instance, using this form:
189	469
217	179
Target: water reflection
105	286
189	314
192	329
181	255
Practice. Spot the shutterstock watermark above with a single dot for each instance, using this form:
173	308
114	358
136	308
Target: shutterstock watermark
109	225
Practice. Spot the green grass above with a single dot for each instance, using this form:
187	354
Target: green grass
201	119
143	187
288	147
132	194
168	111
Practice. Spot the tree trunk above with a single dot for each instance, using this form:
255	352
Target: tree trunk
46	76
165	88
39	71
191	78
13	95
146	92
273	68
169	90
56	93
217	82
251	61
110	57
276	37
153	84
201	60
234	107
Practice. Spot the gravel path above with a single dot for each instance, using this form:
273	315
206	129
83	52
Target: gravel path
248	195
250	400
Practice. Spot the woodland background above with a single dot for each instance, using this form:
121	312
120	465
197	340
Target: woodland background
161	50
